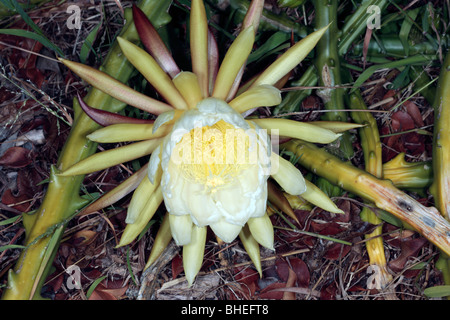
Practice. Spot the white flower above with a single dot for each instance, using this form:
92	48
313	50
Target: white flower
215	167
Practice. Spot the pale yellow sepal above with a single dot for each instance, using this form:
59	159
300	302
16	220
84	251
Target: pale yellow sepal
252	248
297	202
112	157
290	59
187	84
151	70
297	130
116	89
314	195
234	59
260	96
199	44
253	15
162	240
337	126
181	228
262	230
287	175
125	132
193	253
140	197
132	230
123	189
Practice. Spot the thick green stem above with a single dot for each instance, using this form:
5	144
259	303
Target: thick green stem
391	45
62	198
371	145
426	220
352	29
328	67
269	20
441	154
441	143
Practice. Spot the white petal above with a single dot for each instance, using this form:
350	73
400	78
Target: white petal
226	231
181	229
202	208
234	207
154	164
261	204
173	185
163	118
250	180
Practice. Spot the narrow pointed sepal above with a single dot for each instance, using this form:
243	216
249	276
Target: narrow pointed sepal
337	126
290	59
162	240
314	195
139	199
106	118
297	130
150	69
277	198
262	230
252	248
213	61
113	157
260	96
133	230
199	44
123	189
124	132
287	175
115	88
153	42
193	253
233	61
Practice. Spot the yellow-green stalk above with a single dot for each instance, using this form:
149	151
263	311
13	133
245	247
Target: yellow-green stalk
371	145
426	220
44	228
441	155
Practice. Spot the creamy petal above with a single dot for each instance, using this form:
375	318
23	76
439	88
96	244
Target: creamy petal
226	231
202	208
173	185
261	204
181	229
231	203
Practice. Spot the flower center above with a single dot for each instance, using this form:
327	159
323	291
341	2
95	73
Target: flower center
214	155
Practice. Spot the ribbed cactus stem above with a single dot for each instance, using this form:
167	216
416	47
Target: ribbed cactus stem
426	220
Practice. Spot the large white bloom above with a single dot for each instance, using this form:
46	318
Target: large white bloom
215	167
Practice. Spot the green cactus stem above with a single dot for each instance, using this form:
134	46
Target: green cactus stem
44	228
441	155
426	220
